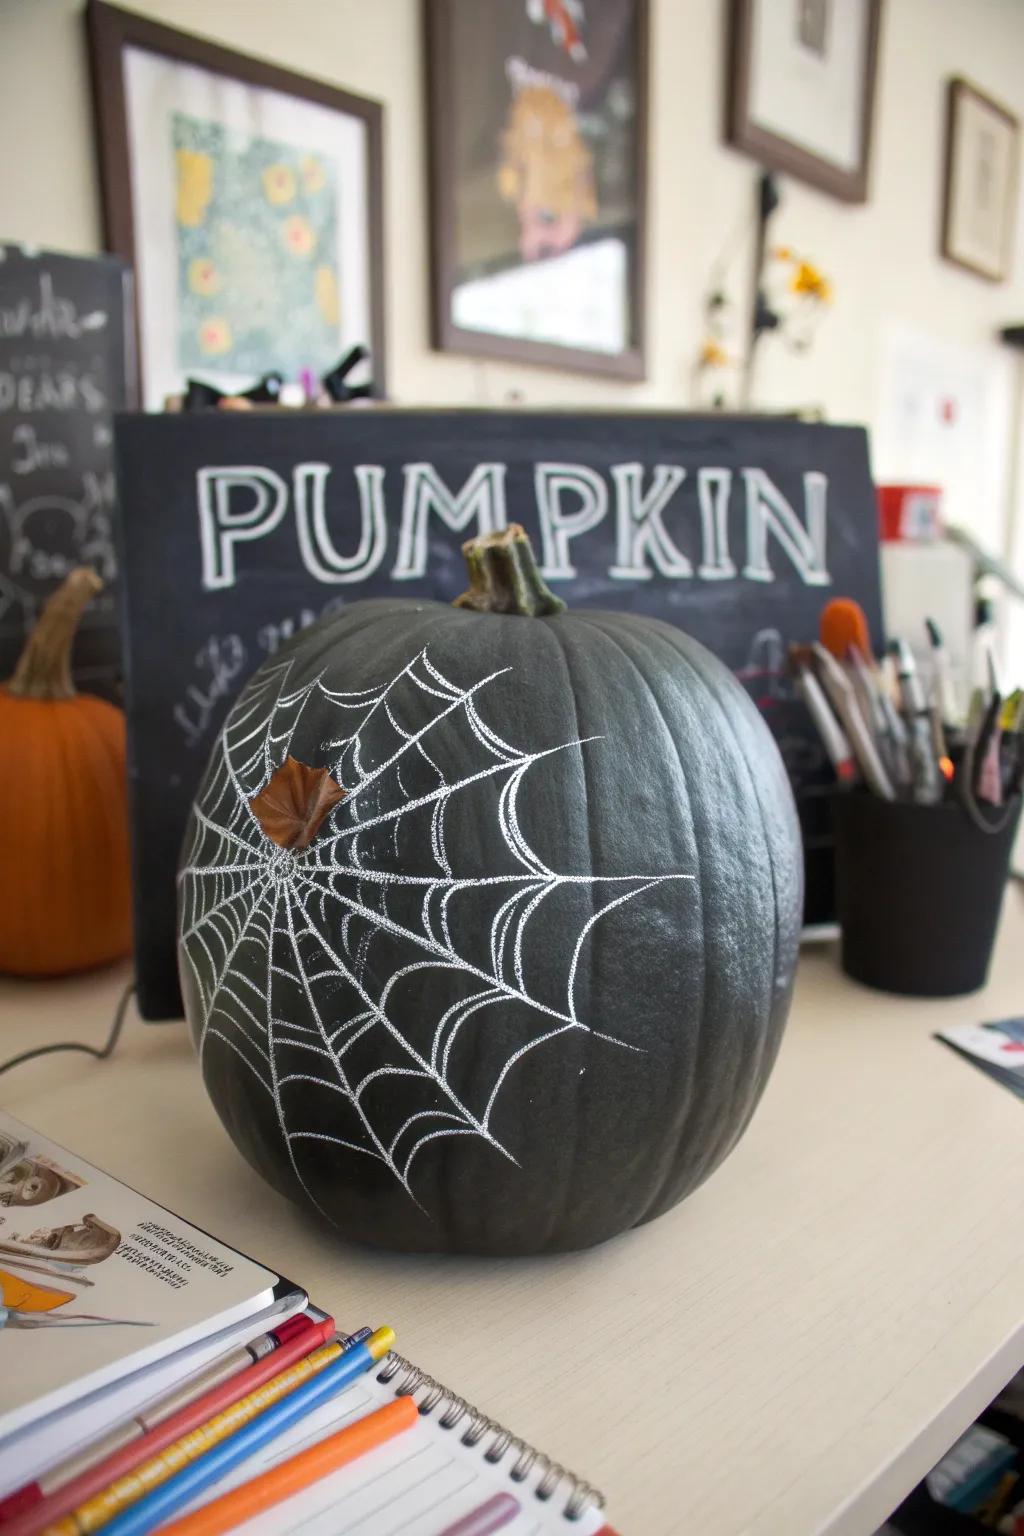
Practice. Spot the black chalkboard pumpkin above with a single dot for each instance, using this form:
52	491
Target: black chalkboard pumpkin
489	916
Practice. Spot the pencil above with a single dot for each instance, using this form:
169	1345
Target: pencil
129	1457
165	1501
299	1472
227	1367
132	1484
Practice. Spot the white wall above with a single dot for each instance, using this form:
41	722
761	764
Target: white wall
882	257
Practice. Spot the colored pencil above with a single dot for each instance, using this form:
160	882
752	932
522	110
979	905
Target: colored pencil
229	1367
300	1471
127	1488
118	1479
488	1517
163	1502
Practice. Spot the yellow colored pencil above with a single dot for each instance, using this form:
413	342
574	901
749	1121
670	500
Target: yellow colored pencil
96	1511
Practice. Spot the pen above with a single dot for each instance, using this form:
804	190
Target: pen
300	1472
304	1326
487	1517
927	783
945	693
166	1500
840	692
870	697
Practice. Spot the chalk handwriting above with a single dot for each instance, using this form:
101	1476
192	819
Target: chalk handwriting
48	535
64	389
224	659
46	316
221	659
31	453
661	528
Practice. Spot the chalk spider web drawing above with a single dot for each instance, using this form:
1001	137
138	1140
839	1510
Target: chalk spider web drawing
334	1029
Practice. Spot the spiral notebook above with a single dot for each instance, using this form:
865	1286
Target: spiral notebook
443	1469
111	1299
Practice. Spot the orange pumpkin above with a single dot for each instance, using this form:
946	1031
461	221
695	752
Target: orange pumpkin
65	888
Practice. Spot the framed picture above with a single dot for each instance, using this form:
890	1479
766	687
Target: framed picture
538	115
801	88
981	182
249	202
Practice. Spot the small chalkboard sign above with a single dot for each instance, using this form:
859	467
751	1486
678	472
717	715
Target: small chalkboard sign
238	529
63	372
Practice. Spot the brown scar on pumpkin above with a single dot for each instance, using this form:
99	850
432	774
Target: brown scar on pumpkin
293	803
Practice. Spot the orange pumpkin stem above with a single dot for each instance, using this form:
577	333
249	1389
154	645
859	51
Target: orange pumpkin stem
44	667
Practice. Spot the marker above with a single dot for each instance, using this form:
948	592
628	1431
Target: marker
899	741
868	689
945	693
927	783
300	1472
158	1507
840	692
938	733
989	785
487	1517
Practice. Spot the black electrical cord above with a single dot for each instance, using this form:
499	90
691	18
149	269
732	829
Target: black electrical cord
100	1054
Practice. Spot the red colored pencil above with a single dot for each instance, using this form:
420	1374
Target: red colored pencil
95	1478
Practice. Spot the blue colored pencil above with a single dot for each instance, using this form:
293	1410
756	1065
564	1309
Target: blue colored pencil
170	1497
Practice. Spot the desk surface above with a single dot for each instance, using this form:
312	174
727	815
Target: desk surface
823	1317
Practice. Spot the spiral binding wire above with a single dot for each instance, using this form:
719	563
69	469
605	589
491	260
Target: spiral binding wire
579	1496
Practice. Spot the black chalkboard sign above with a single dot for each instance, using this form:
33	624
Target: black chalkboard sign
237	529
63	372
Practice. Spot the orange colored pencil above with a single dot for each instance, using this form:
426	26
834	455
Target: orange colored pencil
298	1472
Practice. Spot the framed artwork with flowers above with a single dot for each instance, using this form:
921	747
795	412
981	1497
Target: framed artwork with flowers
538	121
247	198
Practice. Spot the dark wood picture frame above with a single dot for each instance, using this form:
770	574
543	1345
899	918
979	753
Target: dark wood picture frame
781	154
957	89
629	364
111	31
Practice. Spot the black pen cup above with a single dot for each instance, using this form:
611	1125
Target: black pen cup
918	891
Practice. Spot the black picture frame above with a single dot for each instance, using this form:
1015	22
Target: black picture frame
111	31
959	93
775	152
440	18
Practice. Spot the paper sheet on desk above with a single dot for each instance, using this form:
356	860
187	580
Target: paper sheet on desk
997	1049
415	1486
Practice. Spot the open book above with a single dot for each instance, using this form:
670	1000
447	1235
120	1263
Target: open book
97	1282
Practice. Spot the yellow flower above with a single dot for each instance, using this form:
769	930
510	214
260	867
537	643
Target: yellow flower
808	280
195	186
313	176
215	336
278	184
325	288
713	355
203	276
298	235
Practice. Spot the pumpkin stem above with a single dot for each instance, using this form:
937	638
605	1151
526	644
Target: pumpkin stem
503	576
44	667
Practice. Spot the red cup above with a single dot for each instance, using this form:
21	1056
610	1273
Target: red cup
909	512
